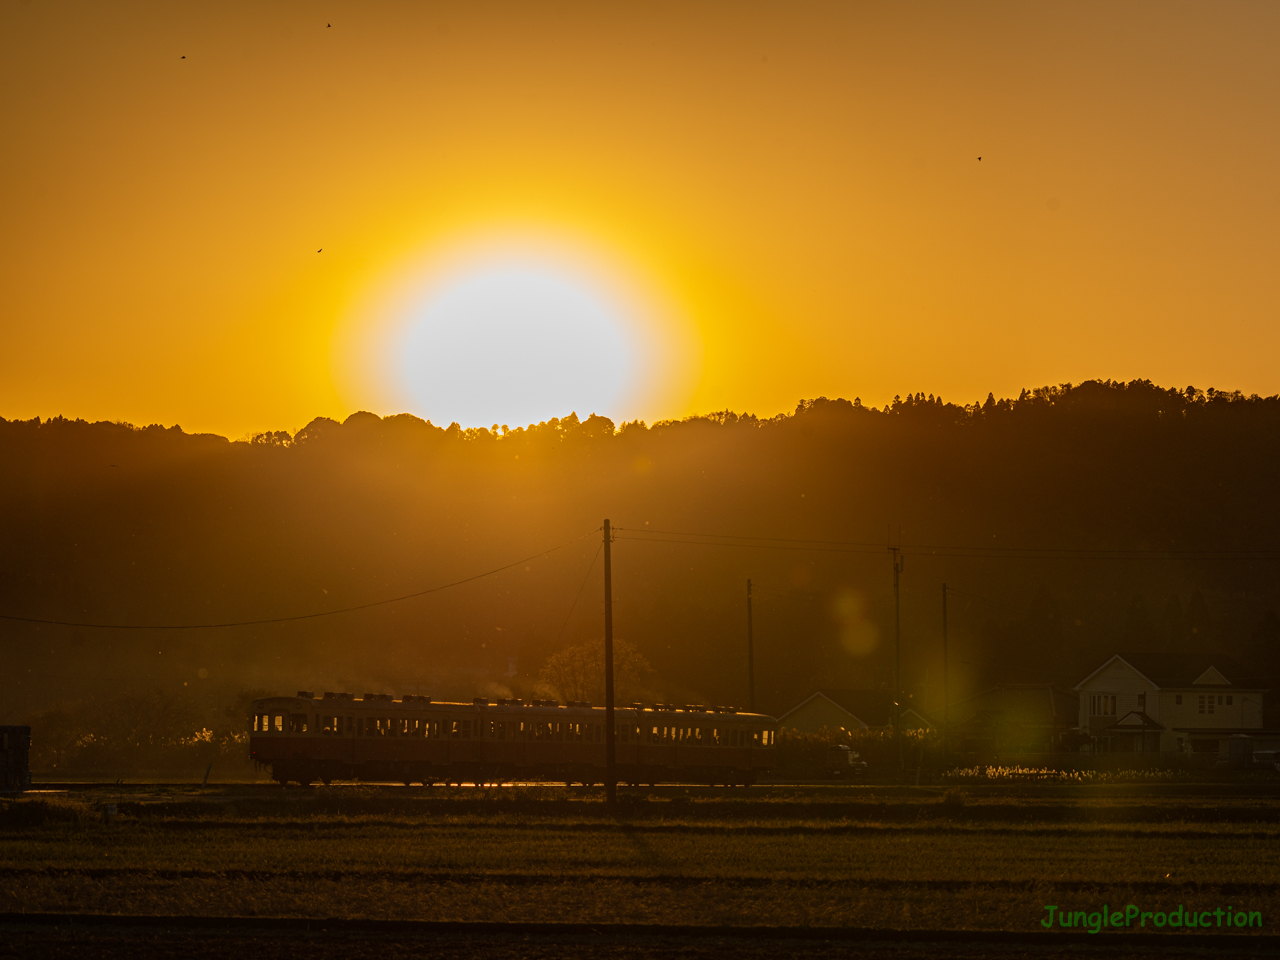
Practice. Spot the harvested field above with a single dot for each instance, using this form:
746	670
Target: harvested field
906	860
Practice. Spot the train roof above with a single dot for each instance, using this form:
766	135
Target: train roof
307	699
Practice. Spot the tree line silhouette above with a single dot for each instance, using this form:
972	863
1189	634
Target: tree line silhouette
110	523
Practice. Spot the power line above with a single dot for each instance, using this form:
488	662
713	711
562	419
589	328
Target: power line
943	550
749	546
577	596
301	616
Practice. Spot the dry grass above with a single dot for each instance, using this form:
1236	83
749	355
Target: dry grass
689	862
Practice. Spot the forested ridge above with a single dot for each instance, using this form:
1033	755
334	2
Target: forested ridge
1122	516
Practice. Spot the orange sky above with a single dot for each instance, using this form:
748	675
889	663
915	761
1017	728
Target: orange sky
797	185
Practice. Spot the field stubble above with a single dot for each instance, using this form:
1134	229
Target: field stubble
909	861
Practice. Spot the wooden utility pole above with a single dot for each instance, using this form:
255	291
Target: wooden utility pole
610	747
946	689
897	655
751	657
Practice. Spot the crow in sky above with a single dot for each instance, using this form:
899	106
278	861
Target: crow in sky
320	249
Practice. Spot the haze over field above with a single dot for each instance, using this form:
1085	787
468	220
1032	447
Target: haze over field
1071	522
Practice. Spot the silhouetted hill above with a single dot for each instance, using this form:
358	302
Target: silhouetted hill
105	522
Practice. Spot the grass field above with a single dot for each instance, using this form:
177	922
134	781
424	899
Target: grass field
851	856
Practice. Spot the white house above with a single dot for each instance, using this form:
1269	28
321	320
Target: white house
1164	703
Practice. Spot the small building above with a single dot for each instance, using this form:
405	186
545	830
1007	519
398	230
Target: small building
1013	718
15	758
1168	703
850	710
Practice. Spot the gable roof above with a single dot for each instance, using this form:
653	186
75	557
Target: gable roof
1136	720
1213	675
1176	669
872	707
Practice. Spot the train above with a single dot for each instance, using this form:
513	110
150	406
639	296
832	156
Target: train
377	738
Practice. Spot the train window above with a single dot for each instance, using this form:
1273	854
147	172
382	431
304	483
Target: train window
466	729
279	723
297	723
255	723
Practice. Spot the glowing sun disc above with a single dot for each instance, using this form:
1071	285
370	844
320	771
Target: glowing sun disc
515	342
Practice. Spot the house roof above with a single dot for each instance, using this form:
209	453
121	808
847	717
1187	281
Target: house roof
1180	670
872	707
1135	720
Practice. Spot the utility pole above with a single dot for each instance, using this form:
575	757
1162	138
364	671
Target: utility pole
610	747
751	657
946	690
897	654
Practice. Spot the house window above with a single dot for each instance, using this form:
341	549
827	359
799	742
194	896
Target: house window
1178	700
1102	705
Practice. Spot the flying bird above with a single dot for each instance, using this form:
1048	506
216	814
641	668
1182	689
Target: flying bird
979	158
327	25
320	249
183	57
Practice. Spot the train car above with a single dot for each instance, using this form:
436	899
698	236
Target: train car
308	739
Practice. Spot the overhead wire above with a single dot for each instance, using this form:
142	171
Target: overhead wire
301	616
939	550
577	596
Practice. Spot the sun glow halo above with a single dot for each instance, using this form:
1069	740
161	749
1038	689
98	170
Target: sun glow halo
509	333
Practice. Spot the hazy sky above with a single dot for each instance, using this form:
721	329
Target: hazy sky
764	202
